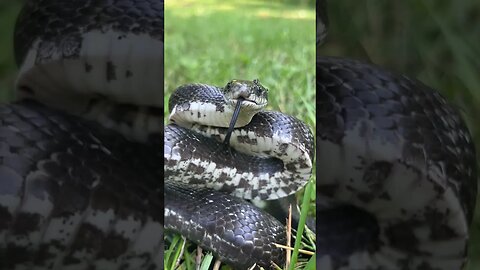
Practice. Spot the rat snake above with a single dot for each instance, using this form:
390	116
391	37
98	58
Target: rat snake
270	157
397	169
82	189
397	181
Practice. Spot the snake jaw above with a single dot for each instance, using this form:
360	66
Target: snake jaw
249	104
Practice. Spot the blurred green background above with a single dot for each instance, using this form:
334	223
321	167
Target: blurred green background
437	42
8	12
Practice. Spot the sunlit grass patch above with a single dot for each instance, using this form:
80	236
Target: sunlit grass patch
8	69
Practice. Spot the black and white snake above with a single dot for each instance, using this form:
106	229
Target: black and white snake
397	178
83	189
268	156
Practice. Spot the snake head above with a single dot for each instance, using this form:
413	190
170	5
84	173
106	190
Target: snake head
254	95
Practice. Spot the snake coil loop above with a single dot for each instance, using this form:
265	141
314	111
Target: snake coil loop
270	157
397	164
75	193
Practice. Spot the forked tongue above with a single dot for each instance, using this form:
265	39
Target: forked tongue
235	115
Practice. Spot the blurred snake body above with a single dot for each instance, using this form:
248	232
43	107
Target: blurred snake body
80	177
80	150
397	170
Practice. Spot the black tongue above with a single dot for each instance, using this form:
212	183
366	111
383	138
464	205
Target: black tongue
235	115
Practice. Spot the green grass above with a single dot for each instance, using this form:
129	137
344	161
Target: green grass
436	42
213	42
216	41
8	14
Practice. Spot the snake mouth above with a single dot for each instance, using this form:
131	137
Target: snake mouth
250	103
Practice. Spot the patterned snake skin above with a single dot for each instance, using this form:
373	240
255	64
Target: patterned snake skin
76	194
269	158
80	149
397	183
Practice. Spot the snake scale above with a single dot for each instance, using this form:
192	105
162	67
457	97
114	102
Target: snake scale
397	169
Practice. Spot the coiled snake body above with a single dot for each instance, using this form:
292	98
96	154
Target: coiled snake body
74	192
271	157
397	170
397	178
80	174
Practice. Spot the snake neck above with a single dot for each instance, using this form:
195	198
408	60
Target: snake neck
109	79
209	115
